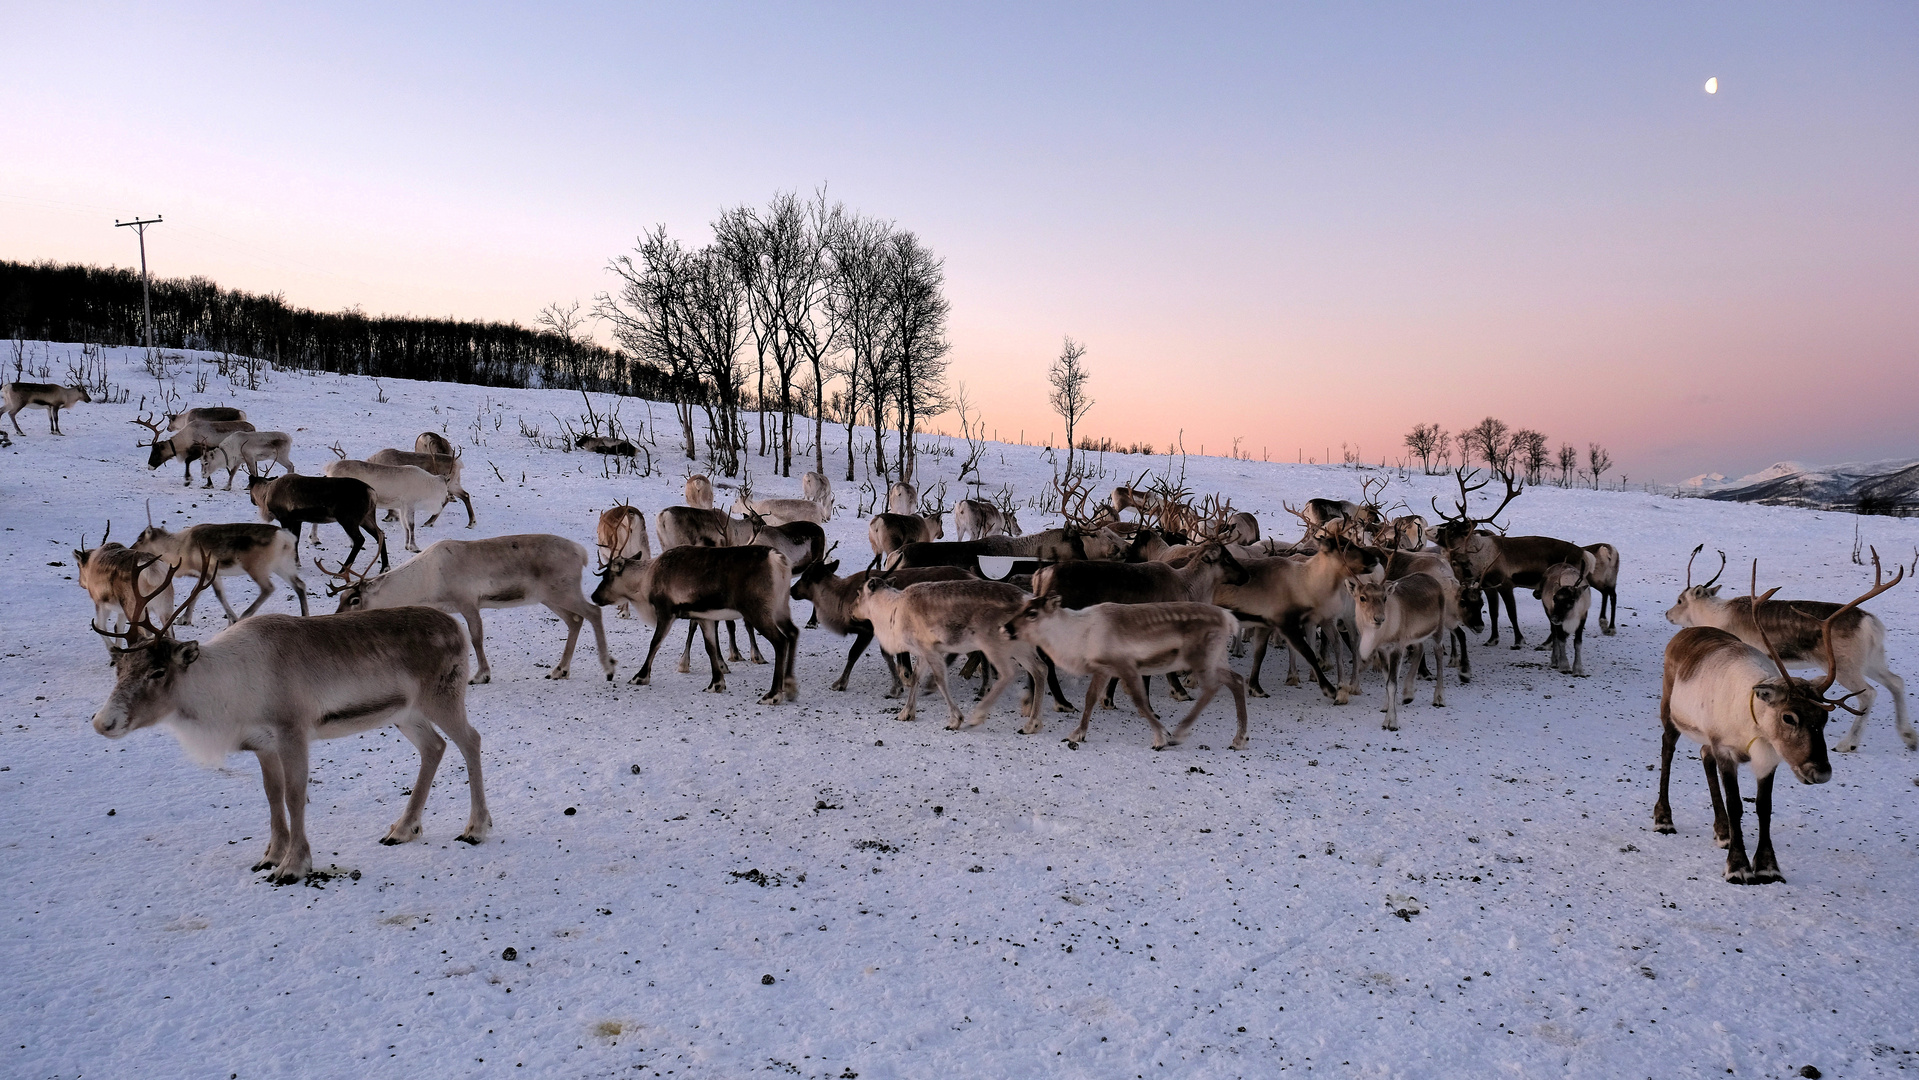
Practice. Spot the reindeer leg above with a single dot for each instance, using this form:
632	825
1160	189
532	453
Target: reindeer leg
464	498
661	624
752	643
1853	680
296	859
1512	613
861	639
733	642
299	588
1136	689
448	713
1897	687
427	741
1439	667
1668	739
1294	632
1464	656
1579	650
572	620
1720	834
1262	637
1765	865
921	661
265	582
1078	734
278	838
1738	870
1394	658
686	654
482	672
710	635
1060	704
1209	685
1174	687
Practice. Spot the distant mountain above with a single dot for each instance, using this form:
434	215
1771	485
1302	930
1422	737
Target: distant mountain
1872	487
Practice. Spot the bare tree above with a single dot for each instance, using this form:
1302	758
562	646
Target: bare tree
651	319
916	310
564	321
1069	398
1597	462
857	304
1568	463
1489	439
1424	441
1530	453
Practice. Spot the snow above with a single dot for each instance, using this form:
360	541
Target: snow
1479	893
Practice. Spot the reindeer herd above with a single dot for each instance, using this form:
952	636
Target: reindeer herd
1176	592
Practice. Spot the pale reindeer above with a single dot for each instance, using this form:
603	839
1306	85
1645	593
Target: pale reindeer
1802	631
902	497
1395	617
431	442
464	576
213	413
699	492
48	396
193	441
274	684
932	620
396	487
246	450
1129	641
444	466
1742	706
977	519
816	487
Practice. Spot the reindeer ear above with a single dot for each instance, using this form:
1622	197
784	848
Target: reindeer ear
1540	592
1771	692
1054	602
1709	590
79	557
188	653
833	567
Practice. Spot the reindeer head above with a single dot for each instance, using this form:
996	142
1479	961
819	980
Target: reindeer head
1686	612
147	667
1560	588
1457	528
812	578
1032	611
1791	712
354	589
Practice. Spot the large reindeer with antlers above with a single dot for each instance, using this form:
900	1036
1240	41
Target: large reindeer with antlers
1806	634
1365	514
1723	694
274	683
1496	564
193	441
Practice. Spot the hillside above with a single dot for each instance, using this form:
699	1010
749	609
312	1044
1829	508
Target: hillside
1480	893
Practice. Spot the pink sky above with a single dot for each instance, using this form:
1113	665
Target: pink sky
1299	228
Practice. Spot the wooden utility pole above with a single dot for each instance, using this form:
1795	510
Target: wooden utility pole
139	225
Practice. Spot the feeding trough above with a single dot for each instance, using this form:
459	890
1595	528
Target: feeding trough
1000	567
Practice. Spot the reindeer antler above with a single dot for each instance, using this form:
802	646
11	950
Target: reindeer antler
1763	638
1879	585
344	575
146	420
1715	576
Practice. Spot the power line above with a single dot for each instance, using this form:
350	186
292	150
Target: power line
139	225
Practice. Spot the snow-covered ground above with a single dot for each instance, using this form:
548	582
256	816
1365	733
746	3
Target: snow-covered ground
927	903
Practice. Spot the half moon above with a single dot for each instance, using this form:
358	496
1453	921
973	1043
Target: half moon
1712	85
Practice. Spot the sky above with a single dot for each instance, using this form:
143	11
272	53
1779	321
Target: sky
1297	226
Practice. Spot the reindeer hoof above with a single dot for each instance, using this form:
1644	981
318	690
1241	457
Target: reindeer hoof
1847	748
561	673
485	677
1912	741
263	864
640	678
469	838
1236	744
714	688
1665	827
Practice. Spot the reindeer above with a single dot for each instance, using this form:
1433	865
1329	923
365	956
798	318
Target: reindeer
890	532
1799	629
1408	532
273	684
432	442
400	487
1287	595
1136	497
123	584
1566	592
1497	564
933	620
1605	581
819	490
444	466
976	519
903	498
246	450
833	599
259	551
704	585
1723	694
1126	642
192	442
292	501
48	396
699	492
1393	616
610	445
463	576
214	413
621	534
1082	584
779	511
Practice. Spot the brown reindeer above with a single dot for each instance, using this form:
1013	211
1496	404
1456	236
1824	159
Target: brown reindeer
48	396
1742	706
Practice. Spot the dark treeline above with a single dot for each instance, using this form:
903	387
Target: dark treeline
66	302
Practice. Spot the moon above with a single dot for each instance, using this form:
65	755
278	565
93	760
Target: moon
1712	85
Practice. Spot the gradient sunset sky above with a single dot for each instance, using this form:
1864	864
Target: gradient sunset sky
1298	225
